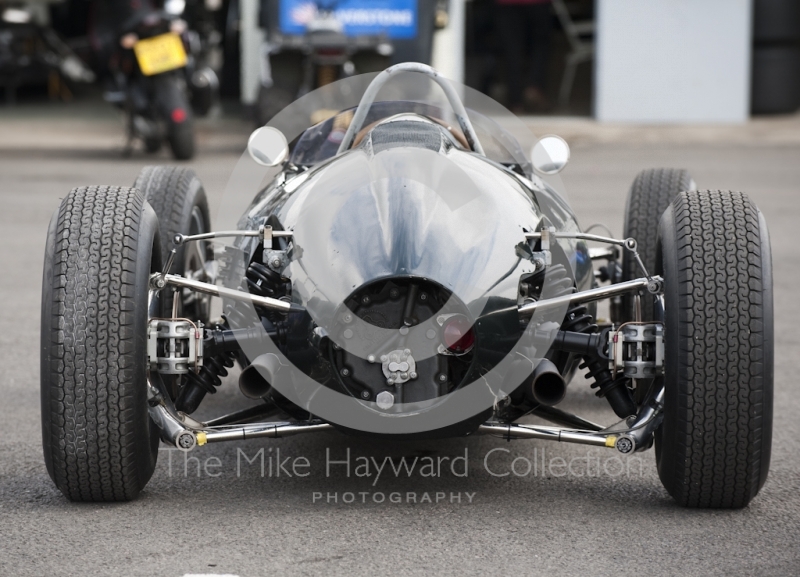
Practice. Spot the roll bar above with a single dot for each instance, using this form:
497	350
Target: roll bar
372	91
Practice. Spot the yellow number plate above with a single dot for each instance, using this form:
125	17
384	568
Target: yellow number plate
160	54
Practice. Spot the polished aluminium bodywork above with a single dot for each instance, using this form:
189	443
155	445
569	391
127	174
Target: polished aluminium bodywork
382	206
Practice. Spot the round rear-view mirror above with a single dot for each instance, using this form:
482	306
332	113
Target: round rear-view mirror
268	146
550	154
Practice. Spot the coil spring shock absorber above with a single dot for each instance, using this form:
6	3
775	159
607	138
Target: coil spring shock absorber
261	281
579	320
615	391
206	380
264	281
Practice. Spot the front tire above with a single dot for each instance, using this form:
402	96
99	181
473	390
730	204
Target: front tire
713	448
651	193
99	442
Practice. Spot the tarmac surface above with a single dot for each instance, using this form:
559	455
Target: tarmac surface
577	511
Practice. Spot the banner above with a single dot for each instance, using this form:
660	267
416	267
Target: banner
395	18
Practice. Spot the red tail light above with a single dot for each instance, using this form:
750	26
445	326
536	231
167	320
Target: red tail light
458	335
178	115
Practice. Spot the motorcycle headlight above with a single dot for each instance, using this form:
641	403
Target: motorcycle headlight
175	7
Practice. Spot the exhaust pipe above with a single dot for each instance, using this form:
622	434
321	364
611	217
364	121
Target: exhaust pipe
254	382
547	385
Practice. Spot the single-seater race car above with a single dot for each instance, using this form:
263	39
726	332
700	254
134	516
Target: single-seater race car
406	272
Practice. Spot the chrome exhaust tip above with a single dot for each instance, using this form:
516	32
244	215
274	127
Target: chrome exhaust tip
254	382
547	385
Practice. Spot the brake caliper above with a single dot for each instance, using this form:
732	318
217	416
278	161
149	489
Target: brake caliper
638	350
174	346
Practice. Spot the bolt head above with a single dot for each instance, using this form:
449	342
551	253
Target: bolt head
345	372
423	297
186	441
365	394
276	262
371	358
384	358
442	378
412	375
348	333
385	400
365	300
624	445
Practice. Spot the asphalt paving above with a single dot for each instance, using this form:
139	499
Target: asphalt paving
491	508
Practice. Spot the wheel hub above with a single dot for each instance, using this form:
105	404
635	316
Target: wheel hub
399	367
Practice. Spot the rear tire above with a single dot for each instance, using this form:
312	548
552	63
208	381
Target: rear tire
173	102
651	193
99	442
179	200
713	448
181	139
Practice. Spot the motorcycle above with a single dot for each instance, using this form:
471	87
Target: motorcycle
151	71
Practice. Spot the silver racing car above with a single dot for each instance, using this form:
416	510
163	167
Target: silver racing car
407	271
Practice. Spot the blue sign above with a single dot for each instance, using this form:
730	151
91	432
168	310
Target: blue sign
395	18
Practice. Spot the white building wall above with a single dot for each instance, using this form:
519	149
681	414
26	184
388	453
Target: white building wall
448	43
673	60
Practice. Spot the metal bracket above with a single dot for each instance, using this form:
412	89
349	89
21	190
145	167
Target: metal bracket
277	260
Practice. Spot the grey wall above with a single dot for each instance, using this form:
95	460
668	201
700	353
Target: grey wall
673	60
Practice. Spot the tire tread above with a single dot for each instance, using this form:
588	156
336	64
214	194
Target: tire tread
650	194
717	425
90	386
